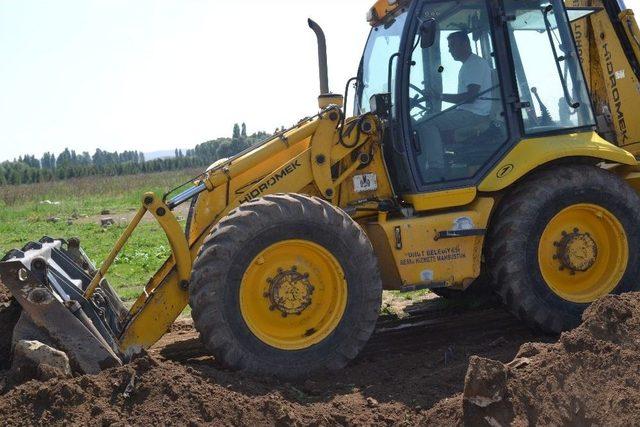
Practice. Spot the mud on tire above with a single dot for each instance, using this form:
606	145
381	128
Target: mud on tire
517	226
234	243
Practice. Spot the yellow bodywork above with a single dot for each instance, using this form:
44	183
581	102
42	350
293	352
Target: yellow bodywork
442	199
437	241
440	249
308	158
382	8
613	84
529	154
432	247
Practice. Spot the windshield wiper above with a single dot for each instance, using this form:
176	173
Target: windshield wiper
558	59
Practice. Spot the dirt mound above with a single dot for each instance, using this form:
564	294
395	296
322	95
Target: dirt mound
591	376
411	372
148	392
9	314
409	366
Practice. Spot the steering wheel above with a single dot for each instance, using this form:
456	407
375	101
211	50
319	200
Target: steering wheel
420	98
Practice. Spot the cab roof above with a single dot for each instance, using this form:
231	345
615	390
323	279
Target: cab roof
383	8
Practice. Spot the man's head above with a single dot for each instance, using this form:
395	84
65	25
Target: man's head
459	45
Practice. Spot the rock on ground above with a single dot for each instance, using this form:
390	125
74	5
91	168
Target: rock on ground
485	393
105	222
35	360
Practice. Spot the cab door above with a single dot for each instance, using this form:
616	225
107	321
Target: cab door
451	98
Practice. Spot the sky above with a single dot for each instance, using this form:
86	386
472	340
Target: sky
151	75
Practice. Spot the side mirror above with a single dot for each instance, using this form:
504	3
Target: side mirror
427	33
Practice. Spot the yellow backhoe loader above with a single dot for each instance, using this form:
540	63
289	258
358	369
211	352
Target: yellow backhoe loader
491	137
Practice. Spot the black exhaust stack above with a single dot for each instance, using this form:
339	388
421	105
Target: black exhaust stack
322	56
326	98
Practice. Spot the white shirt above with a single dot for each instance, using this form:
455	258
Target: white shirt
476	71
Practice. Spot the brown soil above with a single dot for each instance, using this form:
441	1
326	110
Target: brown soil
409	366
591	376
9	313
124	217
412	372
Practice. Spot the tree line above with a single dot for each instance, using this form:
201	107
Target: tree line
70	164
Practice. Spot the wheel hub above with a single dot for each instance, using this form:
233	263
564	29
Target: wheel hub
289	292
576	251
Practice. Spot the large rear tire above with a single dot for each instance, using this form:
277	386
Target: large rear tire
285	285
562	239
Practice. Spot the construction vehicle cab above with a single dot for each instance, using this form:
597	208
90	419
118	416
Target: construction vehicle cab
519	57
476	146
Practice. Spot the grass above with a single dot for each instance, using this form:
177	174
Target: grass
24	217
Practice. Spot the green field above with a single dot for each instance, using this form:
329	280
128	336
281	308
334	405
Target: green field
26	214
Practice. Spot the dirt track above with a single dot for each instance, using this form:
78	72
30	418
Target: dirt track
409	366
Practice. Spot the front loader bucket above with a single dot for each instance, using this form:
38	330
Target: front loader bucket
48	279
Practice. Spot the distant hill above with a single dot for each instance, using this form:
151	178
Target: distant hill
163	154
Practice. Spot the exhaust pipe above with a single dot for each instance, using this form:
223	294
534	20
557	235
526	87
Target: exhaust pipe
322	56
326	98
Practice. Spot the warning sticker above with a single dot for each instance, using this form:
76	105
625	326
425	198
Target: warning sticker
365	182
433	256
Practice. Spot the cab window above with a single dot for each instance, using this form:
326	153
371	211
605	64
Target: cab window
456	108
551	85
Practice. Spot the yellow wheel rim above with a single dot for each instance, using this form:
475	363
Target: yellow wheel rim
583	253
293	294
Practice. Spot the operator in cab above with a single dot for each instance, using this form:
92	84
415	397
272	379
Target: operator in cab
472	110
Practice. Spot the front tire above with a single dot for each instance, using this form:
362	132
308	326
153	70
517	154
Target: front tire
285	285
562	239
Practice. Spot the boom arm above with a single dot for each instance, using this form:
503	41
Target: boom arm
609	51
301	157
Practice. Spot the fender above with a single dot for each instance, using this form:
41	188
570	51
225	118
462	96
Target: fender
531	153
